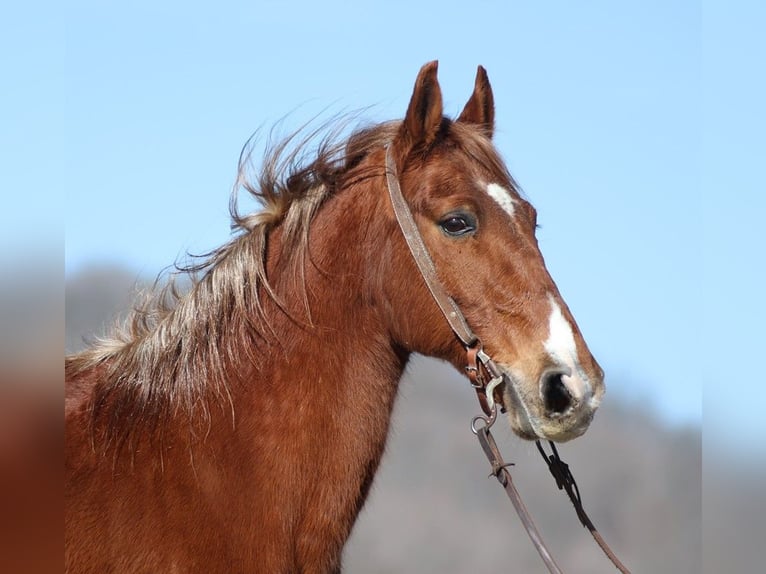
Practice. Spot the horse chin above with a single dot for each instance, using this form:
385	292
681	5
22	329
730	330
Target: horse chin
521	427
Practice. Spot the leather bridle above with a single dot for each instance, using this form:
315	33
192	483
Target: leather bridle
477	361
485	377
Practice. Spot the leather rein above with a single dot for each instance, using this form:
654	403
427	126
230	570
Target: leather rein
485	377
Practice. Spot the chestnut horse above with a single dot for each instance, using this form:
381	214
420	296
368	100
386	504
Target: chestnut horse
237	427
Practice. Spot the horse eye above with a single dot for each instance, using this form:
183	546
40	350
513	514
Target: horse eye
457	225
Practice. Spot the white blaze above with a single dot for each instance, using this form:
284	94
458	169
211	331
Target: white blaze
502	196
562	349
560	343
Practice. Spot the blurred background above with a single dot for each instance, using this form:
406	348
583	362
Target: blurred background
636	129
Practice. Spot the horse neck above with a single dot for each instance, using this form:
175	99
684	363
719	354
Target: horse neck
287	472
319	403
337	356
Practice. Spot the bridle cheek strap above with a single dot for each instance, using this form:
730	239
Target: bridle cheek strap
481	369
423	260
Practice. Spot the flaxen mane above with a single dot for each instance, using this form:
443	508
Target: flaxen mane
170	353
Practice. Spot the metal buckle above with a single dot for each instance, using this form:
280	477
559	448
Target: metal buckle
488	421
474	376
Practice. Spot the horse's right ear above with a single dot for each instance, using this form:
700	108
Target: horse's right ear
424	113
480	109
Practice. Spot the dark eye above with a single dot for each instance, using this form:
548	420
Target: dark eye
457	224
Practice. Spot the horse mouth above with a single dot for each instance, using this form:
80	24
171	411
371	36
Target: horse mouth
519	416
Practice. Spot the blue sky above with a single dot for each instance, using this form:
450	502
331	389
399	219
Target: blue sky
624	122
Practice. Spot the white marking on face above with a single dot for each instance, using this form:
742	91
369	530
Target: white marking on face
562	349
560	336
502	196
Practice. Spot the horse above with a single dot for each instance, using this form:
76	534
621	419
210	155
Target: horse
237	425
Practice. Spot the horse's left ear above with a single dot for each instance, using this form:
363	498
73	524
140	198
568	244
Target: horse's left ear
480	109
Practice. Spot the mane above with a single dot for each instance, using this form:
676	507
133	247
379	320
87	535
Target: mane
171	352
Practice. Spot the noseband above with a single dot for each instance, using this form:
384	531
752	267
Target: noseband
485	377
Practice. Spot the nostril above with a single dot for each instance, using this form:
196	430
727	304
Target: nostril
556	397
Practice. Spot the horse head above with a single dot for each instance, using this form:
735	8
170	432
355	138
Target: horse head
480	234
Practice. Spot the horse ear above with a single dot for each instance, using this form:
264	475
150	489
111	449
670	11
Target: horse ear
480	109
424	113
